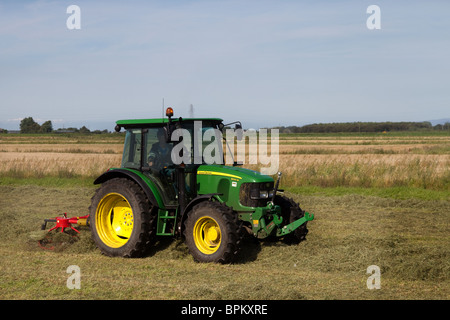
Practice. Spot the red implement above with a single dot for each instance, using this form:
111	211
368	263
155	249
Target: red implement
61	222
64	222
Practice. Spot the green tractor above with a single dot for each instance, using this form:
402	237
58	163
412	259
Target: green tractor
210	206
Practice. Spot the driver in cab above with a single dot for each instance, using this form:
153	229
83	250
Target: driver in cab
160	153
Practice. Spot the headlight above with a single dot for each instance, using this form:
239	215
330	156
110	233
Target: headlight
256	194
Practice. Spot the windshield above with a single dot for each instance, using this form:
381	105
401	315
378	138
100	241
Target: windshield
198	142
206	143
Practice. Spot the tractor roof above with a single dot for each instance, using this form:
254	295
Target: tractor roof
155	122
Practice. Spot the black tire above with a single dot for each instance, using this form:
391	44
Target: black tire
138	225
291	211
224	222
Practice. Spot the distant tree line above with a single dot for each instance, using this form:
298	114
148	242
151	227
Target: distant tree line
28	125
363	127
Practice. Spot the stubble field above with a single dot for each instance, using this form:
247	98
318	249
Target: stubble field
378	199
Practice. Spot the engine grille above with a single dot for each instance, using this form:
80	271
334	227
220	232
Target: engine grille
248	189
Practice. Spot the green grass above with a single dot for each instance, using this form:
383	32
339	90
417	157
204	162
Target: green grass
48	181
406	235
401	193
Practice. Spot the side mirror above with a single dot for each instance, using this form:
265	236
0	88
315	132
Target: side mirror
170	128
167	133
237	129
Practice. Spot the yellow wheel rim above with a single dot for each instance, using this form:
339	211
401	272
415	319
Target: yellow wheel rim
207	235
114	220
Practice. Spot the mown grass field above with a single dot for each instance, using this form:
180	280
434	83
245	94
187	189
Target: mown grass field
378	200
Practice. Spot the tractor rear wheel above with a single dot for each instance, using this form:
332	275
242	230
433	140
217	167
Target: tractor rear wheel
213	232
121	220
291	211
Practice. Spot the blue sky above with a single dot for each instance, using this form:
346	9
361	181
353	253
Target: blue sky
266	63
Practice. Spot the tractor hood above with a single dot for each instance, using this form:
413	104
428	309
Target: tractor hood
234	173
233	185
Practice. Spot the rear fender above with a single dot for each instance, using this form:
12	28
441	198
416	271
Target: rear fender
145	183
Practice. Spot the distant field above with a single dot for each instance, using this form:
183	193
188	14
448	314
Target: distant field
78	156
378	200
327	161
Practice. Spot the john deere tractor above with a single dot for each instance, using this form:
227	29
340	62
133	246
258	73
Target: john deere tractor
166	187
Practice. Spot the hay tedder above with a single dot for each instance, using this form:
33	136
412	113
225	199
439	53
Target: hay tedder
167	187
48	241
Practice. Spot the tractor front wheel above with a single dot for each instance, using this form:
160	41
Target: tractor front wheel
213	232
291	211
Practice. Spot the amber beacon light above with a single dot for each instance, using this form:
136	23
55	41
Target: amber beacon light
169	112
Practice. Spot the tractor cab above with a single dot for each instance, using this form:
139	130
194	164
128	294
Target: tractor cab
160	148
